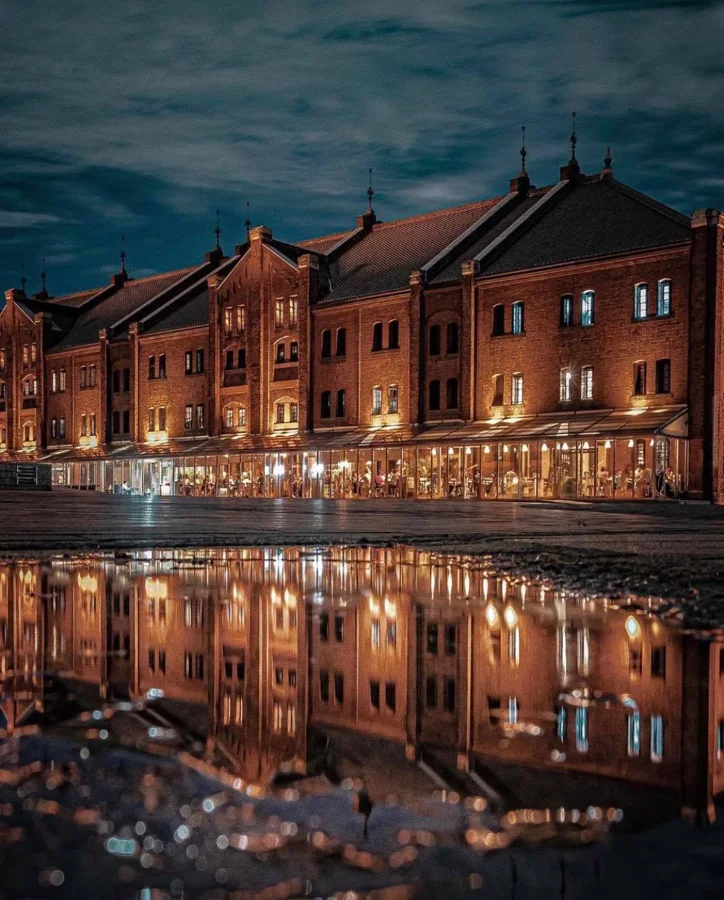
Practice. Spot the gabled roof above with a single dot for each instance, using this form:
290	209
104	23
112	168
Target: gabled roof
596	217
116	306
382	260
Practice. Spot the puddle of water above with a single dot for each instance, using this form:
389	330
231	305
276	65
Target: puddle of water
396	671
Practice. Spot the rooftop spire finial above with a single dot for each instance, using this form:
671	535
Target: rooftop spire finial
370	193
23	279
607	160
123	254
523	152
217	231
574	138
43	275
247	221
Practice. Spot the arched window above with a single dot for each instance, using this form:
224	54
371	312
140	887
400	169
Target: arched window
281	352
229	359
434	395
3	390
566	310
451	393
434	340
663	298
588	301
393	335
376	400
641	301
28	432
377	336
453	337
341	410
498	319
326	343
326	405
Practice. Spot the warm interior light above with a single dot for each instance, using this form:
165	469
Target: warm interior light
585	445
607	445
491	614
565	446
450	451
632	627
486	449
631	443
510	616
468	451
651	442
544	447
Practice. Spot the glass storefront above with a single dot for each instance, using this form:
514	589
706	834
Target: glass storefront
625	468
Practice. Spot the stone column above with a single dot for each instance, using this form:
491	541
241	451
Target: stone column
216	372
417	348
308	290
467	343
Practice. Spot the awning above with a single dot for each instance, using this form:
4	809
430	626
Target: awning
669	421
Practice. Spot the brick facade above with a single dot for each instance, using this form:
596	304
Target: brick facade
294	340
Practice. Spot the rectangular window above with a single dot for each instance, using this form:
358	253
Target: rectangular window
516	389
293	311
338	688
294	351
339	629
451	393
200	415
377	336
588	299
391	696
162	366
434	395
33	353
432	638
199	361
431	692
151	419
493	710
229	359
376	401
518	324
341	404
151	368
326	343
657	738
513	709
341	342
62	380
663	298
392	399
227	321
326	405
663	376
126	422
633	733
451	633
635	664
279	312
434	340
448	694
453	338
162	418
294	412
641	301
240	318
498	319
189	665
720	738
658	662
229	417
189	362
497	390
393	335
83	377
126	380
566	319
116	422
565	385
375	694
391	634
188	416
53	428
53	382
639	378
324	627
280	413
587	383
93	373
151	659
281	351
83	431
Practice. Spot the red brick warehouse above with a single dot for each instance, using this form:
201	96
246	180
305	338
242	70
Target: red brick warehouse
556	342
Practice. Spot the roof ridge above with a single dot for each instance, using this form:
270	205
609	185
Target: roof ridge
324	237
433	214
650	202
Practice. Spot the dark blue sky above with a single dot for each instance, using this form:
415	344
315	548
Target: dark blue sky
142	118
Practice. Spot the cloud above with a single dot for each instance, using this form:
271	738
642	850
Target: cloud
144	119
15	219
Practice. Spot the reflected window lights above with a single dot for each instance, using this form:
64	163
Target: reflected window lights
514	646
513	708
561	723
657	738
581	726
583	651
633	733
375	633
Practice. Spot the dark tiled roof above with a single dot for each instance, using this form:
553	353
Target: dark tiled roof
187	309
324	244
382	261
452	271
126	300
75	300
595	217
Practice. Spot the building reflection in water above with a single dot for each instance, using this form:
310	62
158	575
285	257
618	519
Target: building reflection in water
423	649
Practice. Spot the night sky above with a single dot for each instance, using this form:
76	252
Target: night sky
142	118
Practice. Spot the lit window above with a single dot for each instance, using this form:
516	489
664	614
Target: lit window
663	298
229	417
53	382
240	318
293	412
161	419
513	707
375	633
279	313
639	378
641	301
189	362
497	390
62	380
200	415
565	390
516	391
26	354
151	419
588	299
518	325
376	401
392	398
633	733
33	352
293	310
561	721
227	321
280	413
242	416
657	738
587	383
188	416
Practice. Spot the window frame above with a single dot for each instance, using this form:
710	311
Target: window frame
517	389
641	287
588	312
517	325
